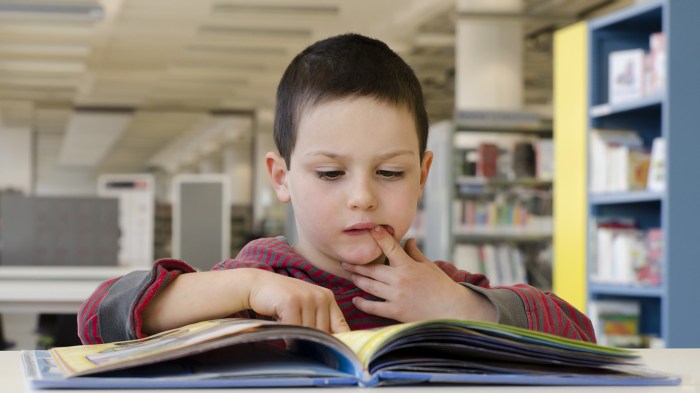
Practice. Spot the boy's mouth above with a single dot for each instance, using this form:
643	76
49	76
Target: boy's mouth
361	229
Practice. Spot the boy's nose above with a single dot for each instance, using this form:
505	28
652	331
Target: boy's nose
362	195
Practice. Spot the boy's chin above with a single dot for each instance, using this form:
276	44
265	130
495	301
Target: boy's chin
361	257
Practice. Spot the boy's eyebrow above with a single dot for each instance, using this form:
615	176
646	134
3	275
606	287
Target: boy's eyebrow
383	156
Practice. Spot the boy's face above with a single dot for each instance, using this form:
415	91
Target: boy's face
355	165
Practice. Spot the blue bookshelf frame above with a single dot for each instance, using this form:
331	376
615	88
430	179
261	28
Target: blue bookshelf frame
667	310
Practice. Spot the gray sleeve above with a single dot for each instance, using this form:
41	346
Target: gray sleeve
510	306
116	309
119	313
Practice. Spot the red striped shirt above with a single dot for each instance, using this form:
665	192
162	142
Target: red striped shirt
544	311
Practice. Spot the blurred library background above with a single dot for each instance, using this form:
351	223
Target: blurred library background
564	135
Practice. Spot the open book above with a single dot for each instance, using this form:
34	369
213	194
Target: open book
256	353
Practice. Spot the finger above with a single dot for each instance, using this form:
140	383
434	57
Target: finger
308	315
392	249
323	319
290	315
371	286
382	309
414	252
337	320
377	272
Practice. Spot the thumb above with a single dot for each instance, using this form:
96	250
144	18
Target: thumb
413	251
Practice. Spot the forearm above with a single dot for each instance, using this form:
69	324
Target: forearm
200	296
527	307
476	306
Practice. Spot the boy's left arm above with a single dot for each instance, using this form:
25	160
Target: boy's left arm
414	288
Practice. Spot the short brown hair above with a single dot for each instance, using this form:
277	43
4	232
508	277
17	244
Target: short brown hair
347	65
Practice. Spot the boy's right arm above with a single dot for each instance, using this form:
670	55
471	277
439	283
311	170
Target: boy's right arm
216	294
113	311
140	304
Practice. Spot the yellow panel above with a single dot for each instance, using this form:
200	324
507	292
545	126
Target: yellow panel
570	123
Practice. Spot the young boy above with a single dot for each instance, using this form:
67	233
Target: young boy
351	130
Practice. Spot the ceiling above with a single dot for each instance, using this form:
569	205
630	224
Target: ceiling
110	85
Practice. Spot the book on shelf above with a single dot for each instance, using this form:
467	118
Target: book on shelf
544	155
506	212
487	164
616	322
506	158
649	273
634	73
504	264
655	82
656	180
468	257
634	164
618	160
627	255
524	160
626	75
257	353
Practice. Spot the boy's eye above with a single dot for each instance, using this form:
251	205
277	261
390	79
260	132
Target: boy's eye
390	174
329	175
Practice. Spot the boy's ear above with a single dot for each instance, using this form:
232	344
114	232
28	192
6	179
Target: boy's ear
277	170
424	170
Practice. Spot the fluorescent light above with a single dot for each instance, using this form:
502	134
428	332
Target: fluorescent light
45	10
43	66
205	81
45	49
235	50
255	31
277	9
39	81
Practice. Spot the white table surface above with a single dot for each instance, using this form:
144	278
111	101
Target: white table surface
683	362
40	289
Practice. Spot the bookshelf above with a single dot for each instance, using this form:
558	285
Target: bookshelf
665	310
500	222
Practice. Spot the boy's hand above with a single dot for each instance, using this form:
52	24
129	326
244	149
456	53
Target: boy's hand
413	287
296	302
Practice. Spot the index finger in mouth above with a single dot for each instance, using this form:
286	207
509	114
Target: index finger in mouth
386	242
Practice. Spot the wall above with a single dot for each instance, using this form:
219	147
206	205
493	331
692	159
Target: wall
16	165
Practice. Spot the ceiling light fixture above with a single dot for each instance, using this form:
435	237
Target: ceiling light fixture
236	50
276	9
50	11
256	31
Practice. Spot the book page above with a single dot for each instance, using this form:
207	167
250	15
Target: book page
368	343
365	343
83	359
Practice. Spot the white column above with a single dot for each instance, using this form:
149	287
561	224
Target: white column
488	57
236	163
16	163
263	194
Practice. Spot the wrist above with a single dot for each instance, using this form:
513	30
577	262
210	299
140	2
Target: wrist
477	306
246	279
